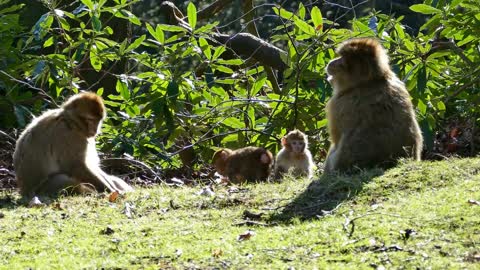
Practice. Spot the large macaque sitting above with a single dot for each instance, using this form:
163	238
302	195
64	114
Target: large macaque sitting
294	156
57	151
370	116
244	164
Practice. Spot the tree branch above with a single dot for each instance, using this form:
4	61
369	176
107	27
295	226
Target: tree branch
243	44
213	9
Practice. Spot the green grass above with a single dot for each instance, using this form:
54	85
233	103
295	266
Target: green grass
416	215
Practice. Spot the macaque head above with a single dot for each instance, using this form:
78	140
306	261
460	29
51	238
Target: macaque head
295	142
87	111
219	160
359	60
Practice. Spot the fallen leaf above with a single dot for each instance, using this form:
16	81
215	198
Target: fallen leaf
113	196
128	210
473	256
246	235
57	206
107	231
206	191
178	252
473	202
216	253
35	202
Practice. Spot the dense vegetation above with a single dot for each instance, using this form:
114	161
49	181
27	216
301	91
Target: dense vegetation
177	88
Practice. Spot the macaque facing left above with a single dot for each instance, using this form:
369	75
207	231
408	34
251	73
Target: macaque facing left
371	120
244	164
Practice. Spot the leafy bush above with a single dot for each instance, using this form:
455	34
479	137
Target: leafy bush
174	88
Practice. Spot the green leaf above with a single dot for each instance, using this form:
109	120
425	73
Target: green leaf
39	68
157	34
233	123
305	27
20	112
223	69
192	15
441	106
257	85
136	43
218	51
251	116
232	62
399	30
284	13
171	28
205	48
11	8
42	26
301	11
122	88
88	3
425	9
317	18
230	138
422	79
173	90
48	42
322	123
96	23
95	60
422	108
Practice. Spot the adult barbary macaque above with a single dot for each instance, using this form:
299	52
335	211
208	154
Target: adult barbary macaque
371	120
294	156
57	151
245	164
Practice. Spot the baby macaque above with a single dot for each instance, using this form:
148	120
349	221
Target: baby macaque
294	156
244	164
57	151
371	120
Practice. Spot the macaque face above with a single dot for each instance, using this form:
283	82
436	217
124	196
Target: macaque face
297	146
92	124
220	160
88	113
335	66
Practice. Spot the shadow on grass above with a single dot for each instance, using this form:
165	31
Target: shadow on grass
8	200
324	195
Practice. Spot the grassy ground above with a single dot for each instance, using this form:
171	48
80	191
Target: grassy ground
418	215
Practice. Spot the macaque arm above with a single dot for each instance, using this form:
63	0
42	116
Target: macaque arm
331	160
279	171
95	176
118	183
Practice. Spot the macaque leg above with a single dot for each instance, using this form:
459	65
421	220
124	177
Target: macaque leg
61	182
279	172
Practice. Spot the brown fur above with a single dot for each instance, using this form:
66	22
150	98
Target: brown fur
244	164
294	156
57	150
371	120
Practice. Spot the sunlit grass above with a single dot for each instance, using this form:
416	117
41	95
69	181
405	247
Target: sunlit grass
415	215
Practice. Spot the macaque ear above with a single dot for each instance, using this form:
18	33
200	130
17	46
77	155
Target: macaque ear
284	141
224	155
264	158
